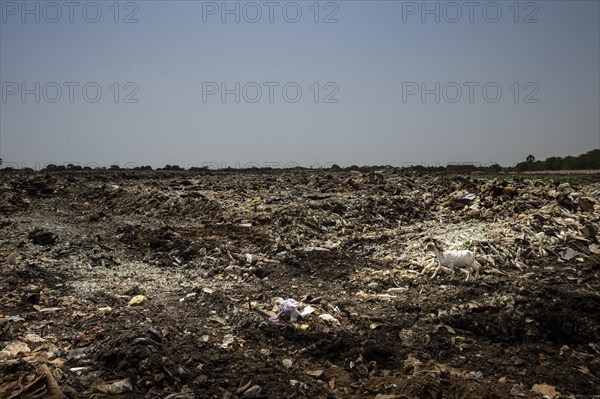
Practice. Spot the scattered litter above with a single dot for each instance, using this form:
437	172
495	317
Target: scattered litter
79	370
115	387
252	392
228	339
568	254
296	383
594	248
397	290
12	258
137	300
76	354
244	384
315	373
12	318
13	349
547	390
34	338
215	247
329	318
188	296
465	199
289	311
517	390
46	310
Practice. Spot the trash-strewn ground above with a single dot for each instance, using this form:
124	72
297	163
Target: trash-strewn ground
158	285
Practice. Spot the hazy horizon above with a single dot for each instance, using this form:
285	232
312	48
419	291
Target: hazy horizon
307	83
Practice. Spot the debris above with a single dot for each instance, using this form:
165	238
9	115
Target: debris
12	318
228	339
210	250
34	338
315	373
465	199
53	390
329	318
114	387
181	395
547	390
568	254
397	290
76	354
586	203
46	310
137	300
517	390
79	370
289	311
13	349
296	383
244	384
42	385
252	392
595	249
12	258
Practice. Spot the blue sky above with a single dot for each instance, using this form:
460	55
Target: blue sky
357	77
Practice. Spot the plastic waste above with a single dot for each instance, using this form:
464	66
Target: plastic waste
289	311
115	387
13	349
137	300
329	318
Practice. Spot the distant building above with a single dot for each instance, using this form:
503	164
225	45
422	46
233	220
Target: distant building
466	168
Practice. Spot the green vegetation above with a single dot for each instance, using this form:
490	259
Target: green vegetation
172	167
552	179
589	160
557	179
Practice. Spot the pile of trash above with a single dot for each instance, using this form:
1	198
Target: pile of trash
517	223
388	214
158	285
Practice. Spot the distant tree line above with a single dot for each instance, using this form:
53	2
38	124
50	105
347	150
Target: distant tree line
589	160
72	167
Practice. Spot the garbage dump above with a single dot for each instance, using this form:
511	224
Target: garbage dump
233	284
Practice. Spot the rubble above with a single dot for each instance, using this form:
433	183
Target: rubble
162	285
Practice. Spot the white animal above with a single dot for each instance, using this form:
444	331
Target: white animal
464	259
